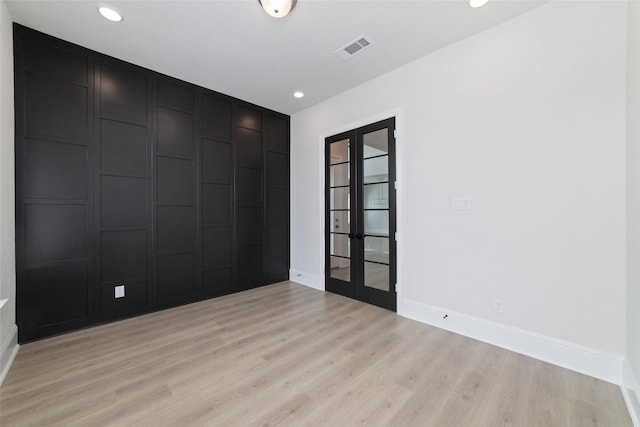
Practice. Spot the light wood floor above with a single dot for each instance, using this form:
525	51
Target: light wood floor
290	355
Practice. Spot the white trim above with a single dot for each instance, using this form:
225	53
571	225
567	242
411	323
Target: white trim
3	302
586	360
321	224
631	391
307	279
8	351
396	112
400	210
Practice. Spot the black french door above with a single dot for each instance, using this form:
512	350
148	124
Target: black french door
360	214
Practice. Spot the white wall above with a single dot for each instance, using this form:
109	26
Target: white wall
7	195
633	207
528	119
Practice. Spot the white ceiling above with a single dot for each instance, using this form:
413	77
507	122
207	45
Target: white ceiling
234	47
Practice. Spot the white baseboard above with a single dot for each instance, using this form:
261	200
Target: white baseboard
307	279
631	392
8	350
586	360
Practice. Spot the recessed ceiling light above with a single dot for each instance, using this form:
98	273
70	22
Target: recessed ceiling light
110	14
477	3
298	94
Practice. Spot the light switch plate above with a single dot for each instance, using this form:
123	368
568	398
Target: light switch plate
120	291
461	203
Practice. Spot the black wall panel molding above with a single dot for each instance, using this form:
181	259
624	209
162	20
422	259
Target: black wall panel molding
126	177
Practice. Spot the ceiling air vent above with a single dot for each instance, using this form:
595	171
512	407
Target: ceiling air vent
353	48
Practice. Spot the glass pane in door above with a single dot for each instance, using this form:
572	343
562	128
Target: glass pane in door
340	221
339	152
339	198
339	175
340	210
375	171
341	269
340	245
376	276
376	222
376	249
375	143
376	196
376	262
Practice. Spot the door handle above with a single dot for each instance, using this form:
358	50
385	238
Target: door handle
358	236
351	235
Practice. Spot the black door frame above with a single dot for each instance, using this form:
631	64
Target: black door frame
355	288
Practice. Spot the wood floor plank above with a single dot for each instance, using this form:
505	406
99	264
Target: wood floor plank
288	355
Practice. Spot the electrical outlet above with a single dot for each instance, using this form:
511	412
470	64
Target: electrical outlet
119	291
498	305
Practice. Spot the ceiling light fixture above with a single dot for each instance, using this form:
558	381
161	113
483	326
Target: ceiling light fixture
298	94
277	8
110	14
477	3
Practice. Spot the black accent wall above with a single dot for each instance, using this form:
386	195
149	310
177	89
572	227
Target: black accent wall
128	177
